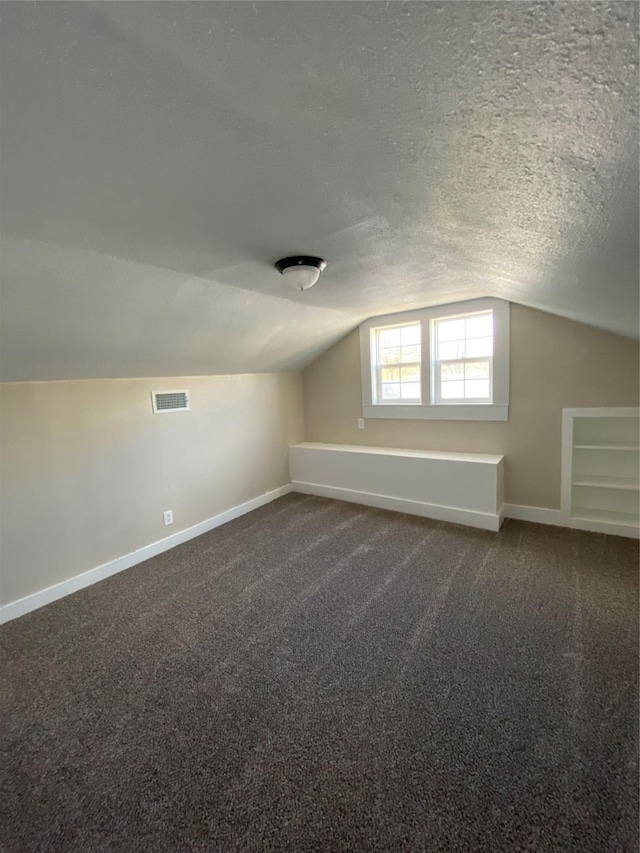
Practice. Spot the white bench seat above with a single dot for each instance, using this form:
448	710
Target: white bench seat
465	488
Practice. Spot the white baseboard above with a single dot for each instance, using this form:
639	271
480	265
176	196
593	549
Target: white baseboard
440	513
557	518
594	526
537	514
45	596
485	521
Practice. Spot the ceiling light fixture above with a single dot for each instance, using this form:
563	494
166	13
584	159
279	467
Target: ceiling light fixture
301	271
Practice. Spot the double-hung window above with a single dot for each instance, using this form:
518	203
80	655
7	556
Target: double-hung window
396	364
462	358
449	362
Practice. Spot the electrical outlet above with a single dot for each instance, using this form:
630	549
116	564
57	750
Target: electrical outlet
168	517
360	423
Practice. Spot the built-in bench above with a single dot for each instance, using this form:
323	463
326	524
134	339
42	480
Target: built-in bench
465	488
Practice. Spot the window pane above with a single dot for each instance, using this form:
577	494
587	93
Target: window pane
410	391
389	337
390	374
450	330
452	390
480	326
410	374
396	346
390	356
476	370
411	334
391	392
479	346
476	389
450	349
454	370
411	353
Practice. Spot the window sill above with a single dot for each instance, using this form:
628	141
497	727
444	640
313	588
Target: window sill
477	412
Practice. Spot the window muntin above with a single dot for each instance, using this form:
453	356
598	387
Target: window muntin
473	355
396	364
462	359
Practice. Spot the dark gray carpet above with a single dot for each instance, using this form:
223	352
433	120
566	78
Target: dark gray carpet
319	676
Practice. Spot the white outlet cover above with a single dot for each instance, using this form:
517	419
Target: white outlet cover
168	517
360	423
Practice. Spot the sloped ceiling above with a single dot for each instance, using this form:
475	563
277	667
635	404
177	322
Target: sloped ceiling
158	157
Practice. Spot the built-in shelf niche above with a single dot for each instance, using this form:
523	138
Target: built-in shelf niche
601	469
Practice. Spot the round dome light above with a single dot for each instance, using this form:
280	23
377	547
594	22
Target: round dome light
301	271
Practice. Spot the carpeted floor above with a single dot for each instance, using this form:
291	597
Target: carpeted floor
319	676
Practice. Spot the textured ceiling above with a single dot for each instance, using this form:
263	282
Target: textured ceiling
158	157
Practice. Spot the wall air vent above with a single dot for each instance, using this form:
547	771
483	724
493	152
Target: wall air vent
170	401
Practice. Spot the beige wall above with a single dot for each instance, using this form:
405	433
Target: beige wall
87	468
555	364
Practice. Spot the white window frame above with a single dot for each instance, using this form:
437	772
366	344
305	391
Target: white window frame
497	410
436	383
376	368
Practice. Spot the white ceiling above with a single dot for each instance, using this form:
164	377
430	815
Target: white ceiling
158	157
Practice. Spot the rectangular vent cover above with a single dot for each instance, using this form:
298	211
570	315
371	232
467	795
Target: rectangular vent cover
170	401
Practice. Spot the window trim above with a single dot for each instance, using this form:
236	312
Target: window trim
376	368
498	410
436	382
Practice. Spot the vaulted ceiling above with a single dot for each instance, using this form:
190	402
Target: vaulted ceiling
158	157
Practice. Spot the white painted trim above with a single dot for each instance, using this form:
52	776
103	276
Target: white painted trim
536	514
566	462
611	412
475	412
496	411
558	518
451	456
460	483
483	520
569	418
604	527
402	318
52	593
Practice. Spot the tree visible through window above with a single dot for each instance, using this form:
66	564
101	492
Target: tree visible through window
443	362
397	364
462	358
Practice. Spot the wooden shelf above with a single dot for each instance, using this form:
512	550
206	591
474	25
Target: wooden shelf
600	486
628	519
631	447
608	482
